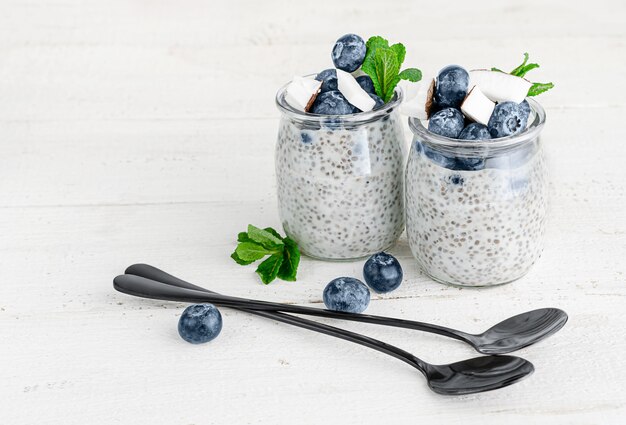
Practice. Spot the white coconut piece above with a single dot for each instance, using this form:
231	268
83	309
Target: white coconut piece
301	92
477	106
353	92
420	104
499	86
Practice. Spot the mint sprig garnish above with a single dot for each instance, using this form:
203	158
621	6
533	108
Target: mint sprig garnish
383	62
256	243
522	70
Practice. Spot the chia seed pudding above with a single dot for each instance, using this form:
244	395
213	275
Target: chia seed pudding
340	180
476	212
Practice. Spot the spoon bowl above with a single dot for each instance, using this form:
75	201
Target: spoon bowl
520	331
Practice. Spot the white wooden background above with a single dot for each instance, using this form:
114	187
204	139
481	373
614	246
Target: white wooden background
143	131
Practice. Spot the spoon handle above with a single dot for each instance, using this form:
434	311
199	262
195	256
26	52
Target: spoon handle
151	272
147	288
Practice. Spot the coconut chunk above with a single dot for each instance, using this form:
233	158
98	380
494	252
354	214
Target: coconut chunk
301	92
477	106
419	105
499	86
353	92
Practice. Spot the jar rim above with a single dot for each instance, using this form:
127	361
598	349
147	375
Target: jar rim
537	121
359	117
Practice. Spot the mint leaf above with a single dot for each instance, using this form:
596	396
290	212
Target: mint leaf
268	269
526	68
400	51
238	260
538	88
273	232
387	70
243	237
519	68
496	69
251	251
291	260
411	74
369	65
264	238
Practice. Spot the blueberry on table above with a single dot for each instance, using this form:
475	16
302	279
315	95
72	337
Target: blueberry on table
200	323
366	83
382	272
346	294
448	122
328	77
349	52
451	86
475	131
332	103
507	119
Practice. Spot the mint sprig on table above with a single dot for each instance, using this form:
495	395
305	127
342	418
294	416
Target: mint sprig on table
522	70
382	63
284	255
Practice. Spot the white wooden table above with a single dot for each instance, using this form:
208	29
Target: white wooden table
143	131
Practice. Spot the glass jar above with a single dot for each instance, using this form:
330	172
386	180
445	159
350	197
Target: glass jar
476	210
340	180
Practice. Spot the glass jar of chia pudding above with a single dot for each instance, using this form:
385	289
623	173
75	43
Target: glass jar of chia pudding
340	179
476	210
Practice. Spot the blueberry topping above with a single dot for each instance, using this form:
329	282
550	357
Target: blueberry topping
382	272
349	52
332	103
328	77
451	86
475	131
448	122
507	119
456	179
379	102
366	83
346	294
306	138
200	323
469	164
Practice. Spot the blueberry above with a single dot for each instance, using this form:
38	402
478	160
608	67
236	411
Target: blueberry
507	119
200	323
456	179
451	86
346	294
306	137
469	164
379	102
475	131
332	103
439	158
525	107
349	52
382	272
448	122
328	77
366	83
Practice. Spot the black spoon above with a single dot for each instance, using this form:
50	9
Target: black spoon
509	335
470	376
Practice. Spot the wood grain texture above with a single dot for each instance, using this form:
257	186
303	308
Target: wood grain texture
136	131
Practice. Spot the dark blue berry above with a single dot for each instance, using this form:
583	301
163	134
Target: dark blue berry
366	83
475	131
379	102
332	103
306	137
328	77
200	323
469	164
447	161
346	294
507	119
451	86
349	52
448	122
456	179
382	272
